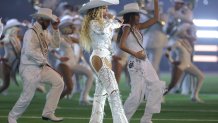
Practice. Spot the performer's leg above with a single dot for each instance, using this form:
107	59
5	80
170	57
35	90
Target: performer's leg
186	84
117	68
85	70
6	71
175	77
100	96
31	79
136	95
67	76
200	77
154	93
106	76
53	78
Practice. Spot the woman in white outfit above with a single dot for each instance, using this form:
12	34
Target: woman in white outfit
145	83
96	33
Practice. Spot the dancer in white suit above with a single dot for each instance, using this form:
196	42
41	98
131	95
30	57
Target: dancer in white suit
34	66
97	33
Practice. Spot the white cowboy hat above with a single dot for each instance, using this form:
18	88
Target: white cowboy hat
131	7
11	23
77	20
45	13
66	21
179	1
97	3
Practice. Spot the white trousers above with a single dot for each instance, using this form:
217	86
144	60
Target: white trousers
32	76
145	84
106	86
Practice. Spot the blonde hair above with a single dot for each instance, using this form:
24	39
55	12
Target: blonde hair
92	14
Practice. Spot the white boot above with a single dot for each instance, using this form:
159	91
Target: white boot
108	80
146	118
11	120
52	117
98	104
117	108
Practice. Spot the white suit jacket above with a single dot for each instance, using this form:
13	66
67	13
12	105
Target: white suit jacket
31	53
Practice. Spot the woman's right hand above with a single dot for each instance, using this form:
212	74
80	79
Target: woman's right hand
140	55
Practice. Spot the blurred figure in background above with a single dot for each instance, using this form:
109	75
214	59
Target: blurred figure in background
51	4
66	28
12	48
181	14
156	39
183	64
72	66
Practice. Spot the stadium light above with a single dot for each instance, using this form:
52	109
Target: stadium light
205	58
206	48
205	22
207	34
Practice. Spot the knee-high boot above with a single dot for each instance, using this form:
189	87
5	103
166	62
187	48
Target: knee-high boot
98	104
108	80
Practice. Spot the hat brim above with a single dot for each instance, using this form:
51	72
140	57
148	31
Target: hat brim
63	25
52	18
95	4
12	25
121	13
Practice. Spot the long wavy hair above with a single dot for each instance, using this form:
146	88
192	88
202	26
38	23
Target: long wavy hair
92	14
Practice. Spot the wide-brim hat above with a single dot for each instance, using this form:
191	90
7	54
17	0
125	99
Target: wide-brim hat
66	21
11	23
97	3
131	8
45	13
179	1
77	20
